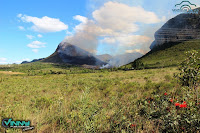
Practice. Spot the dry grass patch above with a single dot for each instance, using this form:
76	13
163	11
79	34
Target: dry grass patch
10	72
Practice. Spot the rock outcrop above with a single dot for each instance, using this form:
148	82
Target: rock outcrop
183	27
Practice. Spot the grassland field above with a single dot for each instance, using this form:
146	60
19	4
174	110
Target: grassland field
59	98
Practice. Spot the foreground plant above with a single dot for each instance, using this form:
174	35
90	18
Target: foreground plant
190	72
170	115
177	111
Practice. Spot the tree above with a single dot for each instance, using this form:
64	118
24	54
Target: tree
138	64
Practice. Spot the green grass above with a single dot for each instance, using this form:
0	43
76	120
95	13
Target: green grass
81	100
171	54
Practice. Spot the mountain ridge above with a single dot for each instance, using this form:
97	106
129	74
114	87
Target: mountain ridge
71	54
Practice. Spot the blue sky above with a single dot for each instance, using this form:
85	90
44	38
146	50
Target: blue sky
13	41
26	34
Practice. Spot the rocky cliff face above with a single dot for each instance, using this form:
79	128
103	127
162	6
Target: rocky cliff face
181	28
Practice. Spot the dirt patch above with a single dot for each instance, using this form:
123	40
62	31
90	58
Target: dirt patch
10	72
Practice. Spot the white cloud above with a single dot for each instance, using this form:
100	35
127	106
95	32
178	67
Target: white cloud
133	40
3	60
116	24
123	18
85	36
81	18
132	51
44	24
21	28
69	33
127	40
136	51
108	40
30	37
35	50
19	15
39	35
36	44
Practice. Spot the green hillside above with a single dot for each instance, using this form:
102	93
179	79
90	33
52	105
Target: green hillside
163	56
60	98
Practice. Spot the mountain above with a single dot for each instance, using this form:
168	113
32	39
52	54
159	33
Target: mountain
71	54
177	36
104	57
35	60
183	27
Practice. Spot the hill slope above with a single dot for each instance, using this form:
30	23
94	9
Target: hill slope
71	54
171	54
54	58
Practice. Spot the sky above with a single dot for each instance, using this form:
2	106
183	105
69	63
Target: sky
32	29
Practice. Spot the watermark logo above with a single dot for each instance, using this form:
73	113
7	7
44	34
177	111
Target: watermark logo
24	125
185	7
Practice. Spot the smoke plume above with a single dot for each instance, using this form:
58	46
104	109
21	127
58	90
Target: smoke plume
114	26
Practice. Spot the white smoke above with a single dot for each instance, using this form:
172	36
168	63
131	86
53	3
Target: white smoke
122	59
116	25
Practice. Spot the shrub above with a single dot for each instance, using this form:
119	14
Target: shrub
171	114
138	65
190	70
177	111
